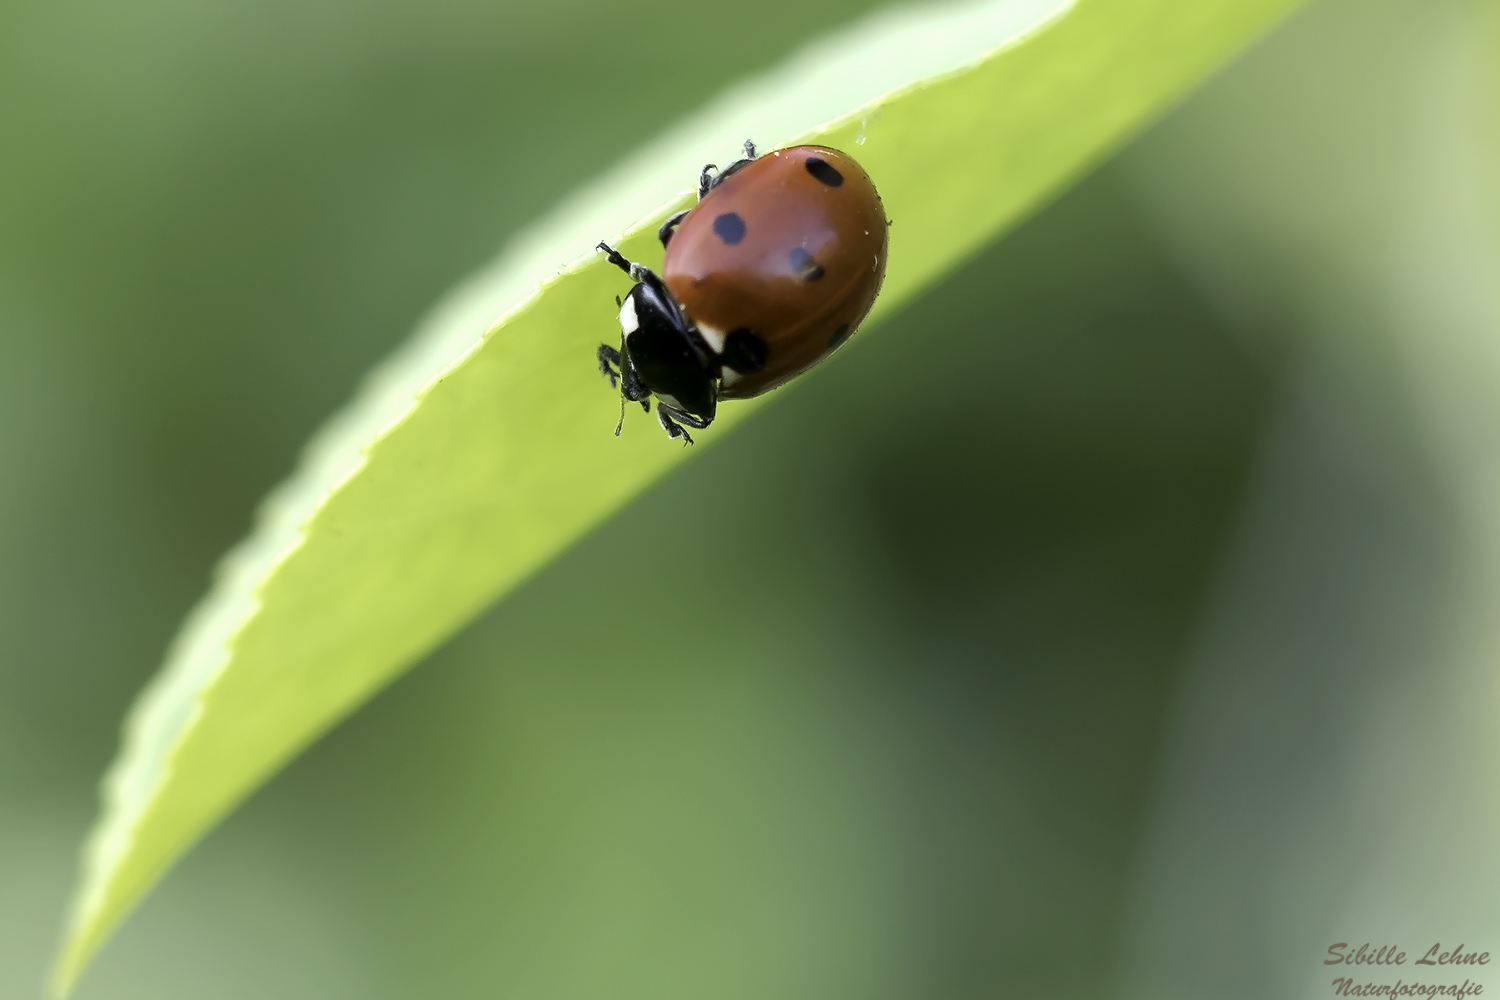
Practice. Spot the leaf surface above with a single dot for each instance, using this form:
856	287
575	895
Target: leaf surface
482	449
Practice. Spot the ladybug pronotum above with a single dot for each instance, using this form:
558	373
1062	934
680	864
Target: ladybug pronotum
770	272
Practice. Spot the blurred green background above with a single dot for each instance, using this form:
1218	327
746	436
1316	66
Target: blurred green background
1116	621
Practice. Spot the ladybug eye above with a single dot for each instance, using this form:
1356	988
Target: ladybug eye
802	262
730	228
823	171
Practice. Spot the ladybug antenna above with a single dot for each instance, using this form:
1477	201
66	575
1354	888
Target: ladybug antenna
622	415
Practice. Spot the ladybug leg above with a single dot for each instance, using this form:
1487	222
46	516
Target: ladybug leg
669	227
609	360
670	426
706	179
632	387
682	416
670	417
636	271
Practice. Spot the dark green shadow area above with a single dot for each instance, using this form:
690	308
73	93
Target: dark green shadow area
862	703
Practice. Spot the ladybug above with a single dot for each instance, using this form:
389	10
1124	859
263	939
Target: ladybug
769	273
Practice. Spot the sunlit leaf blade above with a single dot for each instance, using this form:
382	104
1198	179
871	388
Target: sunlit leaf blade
483	448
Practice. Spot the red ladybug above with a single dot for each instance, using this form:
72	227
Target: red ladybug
768	274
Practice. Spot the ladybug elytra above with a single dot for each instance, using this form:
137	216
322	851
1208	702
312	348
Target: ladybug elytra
771	271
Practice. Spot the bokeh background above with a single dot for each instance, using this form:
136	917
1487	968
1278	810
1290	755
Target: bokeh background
1116	621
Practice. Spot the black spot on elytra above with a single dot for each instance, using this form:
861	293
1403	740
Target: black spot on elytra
839	336
744	351
730	228
807	269
823	171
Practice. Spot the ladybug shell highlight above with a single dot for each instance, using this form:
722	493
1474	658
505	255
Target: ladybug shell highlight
788	251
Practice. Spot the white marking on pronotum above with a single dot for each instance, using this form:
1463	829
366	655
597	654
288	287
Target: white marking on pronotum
628	321
728	376
714	337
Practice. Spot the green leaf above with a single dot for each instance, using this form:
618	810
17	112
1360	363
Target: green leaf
483	448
